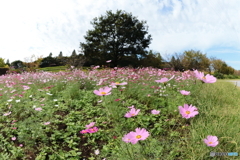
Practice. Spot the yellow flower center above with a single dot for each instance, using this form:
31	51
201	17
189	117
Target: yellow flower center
117	83
203	77
133	114
103	93
187	112
209	142
138	136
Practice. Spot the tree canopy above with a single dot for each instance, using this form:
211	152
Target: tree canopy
115	36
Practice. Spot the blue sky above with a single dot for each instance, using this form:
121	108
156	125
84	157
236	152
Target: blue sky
39	27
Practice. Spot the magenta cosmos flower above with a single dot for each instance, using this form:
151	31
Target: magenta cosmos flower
134	137
206	79
103	91
132	112
211	141
92	130
155	111
84	131
188	111
108	61
183	92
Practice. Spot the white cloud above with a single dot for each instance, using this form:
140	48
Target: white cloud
40	27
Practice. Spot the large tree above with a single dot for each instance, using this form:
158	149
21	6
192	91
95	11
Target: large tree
115	36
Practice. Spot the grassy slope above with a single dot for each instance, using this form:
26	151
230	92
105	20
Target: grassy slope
219	108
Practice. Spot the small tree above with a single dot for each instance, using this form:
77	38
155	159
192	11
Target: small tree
60	55
2	63
8	63
76	60
17	64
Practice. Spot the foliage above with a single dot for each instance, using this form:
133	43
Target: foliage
195	60
114	36
152	59
176	64
49	61
2	63
8	63
218	75
75	60
225	69
17	64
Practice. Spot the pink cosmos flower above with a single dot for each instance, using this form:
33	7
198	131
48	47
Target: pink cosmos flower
108	61
131	106
126	138
90	125
7	114
132	112
206	79
96	67
84	131
209	79
97	152
20	145
163	80
103	91
118	84
183	92
26	87
92	130
155	111
46	123
211	141
134	137
38	109
188	111
117	99
13	138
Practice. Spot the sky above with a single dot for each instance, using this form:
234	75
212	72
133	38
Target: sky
31	27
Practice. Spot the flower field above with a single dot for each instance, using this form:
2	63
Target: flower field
116	114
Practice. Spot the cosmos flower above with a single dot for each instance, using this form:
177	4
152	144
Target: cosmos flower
211	141
188	111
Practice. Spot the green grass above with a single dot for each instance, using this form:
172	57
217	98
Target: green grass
53	69
220	114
